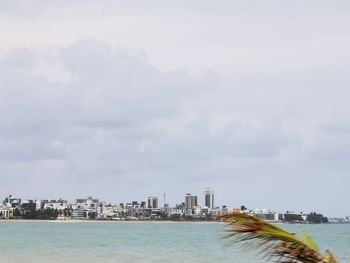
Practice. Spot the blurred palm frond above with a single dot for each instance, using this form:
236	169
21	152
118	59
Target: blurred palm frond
274	243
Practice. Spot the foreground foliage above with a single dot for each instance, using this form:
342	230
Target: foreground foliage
274	243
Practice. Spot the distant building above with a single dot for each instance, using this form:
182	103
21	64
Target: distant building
55	204
39	204
28	206
88	203
268	216
5	212
243	208
209	198
12	201
152	202
78	214
190	201
224	210
236	210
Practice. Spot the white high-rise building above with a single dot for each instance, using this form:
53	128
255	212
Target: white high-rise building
209	198
190	201
152	202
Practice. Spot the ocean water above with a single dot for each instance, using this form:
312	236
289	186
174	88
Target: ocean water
140	242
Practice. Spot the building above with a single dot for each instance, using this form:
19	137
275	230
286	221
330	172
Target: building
39	204
56	204
224	210
152	202
209	198
12	201
190	201
78	214
243	208
268	216
6	212
88	203
28	205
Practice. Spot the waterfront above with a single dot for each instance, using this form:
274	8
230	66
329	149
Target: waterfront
29	242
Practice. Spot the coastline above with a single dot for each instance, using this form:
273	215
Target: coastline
140	221
111	221
150	221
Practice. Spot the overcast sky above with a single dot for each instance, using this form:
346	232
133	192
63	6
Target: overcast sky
125	99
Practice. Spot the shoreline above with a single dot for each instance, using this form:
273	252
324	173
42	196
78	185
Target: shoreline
111	221
139	221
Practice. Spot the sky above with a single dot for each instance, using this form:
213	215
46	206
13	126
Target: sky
122	100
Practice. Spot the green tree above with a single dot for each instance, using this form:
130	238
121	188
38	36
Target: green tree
47	213
17	212
175	217
67	212
316	218
293	218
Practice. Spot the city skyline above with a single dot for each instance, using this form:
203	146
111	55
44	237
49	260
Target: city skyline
15	207
190	201
148	199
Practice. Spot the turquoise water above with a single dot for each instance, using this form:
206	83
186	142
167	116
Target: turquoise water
139	242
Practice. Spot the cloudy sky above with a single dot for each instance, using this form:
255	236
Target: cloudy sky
126	99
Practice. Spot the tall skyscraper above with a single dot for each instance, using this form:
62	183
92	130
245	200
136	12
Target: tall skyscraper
209	198
152	202
190	201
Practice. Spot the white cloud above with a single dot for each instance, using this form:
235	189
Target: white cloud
123	101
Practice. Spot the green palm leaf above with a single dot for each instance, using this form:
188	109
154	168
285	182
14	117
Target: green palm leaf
310	241
273	242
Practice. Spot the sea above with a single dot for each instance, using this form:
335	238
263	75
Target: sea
130	242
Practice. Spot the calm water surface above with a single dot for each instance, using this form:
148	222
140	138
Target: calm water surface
139	242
